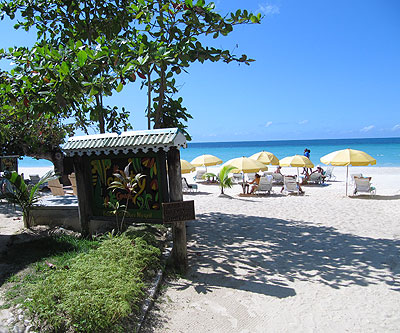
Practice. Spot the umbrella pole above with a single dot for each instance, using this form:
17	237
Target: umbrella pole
347	177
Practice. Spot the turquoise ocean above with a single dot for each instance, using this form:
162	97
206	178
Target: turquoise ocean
386	151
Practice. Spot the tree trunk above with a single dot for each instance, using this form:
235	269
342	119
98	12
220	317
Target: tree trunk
158	116
99	107
148	100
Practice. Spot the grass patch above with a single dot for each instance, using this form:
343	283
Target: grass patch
89	286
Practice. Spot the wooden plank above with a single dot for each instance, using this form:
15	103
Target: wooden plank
162	156
84	188
179	249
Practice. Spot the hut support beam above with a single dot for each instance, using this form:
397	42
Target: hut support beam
179	250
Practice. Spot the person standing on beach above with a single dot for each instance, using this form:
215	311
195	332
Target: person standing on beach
306	154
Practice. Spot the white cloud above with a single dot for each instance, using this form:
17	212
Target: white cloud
268	124
396	127
367	128
303	122
268	9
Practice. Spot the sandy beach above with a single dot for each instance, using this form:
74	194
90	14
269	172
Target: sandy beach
322	262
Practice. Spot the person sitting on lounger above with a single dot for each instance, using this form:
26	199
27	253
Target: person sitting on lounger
255	183
321	171
278	169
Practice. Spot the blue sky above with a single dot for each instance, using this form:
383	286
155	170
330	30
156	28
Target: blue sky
324	69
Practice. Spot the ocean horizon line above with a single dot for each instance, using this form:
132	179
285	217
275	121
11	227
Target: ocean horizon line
295	140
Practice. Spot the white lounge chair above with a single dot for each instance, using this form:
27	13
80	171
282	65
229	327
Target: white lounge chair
250	176
363	184
265	185
329	173
290	185
277	178
34	179
353	175
315	178
199	175
237	177
186	187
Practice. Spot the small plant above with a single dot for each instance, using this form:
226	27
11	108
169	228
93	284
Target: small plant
209	175
127	184
224	180
117	210
26	196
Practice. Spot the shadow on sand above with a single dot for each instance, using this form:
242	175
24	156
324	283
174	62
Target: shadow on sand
263	255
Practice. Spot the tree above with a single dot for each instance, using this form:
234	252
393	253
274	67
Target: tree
92	48
64	76
172	39
224	180
76	56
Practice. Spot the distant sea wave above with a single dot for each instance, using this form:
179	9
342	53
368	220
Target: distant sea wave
385	150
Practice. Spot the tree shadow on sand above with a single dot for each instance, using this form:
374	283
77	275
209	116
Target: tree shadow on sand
264	255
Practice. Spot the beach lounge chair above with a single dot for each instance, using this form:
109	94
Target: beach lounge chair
277	178
315	178
72	179
199	175
186	187
329	173
237	177
57	189
265	185
34	179
353	175
290	185
363	184
249	177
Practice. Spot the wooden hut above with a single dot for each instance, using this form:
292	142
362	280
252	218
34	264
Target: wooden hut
96	158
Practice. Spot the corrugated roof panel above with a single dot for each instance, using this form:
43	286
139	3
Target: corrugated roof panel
134	140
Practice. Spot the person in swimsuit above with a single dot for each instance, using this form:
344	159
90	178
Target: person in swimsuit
255	182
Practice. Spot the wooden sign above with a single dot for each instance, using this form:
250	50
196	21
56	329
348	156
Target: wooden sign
178	211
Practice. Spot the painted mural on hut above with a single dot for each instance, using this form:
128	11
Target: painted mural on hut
145	203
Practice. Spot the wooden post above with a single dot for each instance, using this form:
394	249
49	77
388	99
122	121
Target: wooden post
83	186
162	157
179	250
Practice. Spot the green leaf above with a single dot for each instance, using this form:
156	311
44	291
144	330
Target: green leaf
189	3
120	86
82	56
64	69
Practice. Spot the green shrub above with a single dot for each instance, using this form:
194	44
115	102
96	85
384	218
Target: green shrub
95	290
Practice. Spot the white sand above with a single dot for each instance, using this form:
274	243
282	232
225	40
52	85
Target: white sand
33	171
322	262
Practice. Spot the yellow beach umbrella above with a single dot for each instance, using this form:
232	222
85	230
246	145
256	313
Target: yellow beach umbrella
245	165
346	157
206	160
186	167
298	161
265	157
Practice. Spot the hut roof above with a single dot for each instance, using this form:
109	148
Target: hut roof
125	142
